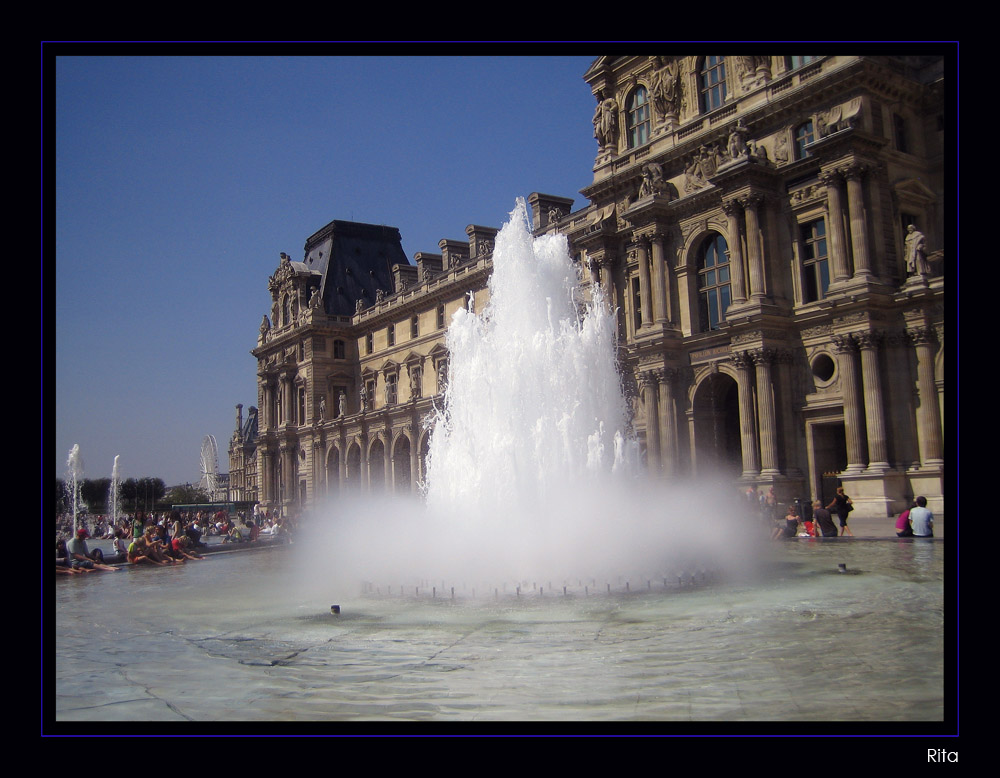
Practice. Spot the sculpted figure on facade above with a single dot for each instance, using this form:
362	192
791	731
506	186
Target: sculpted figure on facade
314	299
359	306
322	408
916	254
343	403
737	144
379	296
265	327
606	121
666	89
652	180
364	397
702	166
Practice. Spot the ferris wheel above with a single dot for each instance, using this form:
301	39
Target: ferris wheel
209	465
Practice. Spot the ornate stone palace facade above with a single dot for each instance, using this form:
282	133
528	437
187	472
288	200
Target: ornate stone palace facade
771	230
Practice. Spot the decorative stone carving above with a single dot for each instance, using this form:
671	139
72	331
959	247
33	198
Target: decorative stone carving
606	121
343	403
359	306
652	180
322	408
314	300
781	149
666	90
737	143
916	255
265	326
379	296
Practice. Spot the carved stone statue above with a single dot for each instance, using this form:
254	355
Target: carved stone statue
343	403
652	180
414	382
314	300
364	397
916	256
666	89
606	121
737	146
359	305
379	295
781	149
322	408
265	326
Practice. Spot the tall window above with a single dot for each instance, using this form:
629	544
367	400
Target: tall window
440	316
637	117
803	137
815	262
899	133
391	334
714	292
369	343
338	349
414	326
712	83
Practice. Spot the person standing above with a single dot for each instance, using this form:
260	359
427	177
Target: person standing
922	520
842	505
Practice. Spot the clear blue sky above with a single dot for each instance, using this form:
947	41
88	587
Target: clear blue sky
179	180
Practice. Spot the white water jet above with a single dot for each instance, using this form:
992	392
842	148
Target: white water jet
534	399
531	470
114	492
74	475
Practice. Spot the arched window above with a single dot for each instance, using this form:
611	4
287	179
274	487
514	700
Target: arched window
712	83
714	292
637	117
803	137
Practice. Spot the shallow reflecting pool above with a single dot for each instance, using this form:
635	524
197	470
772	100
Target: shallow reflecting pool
241	637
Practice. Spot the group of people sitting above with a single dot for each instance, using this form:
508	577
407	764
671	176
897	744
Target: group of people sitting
916	521
820	524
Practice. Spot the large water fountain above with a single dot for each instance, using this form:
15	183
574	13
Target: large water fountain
531	472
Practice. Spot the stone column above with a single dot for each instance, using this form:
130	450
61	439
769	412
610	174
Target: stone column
668	421
738	279
607	283
751	204
748	421
928	412
648	383
871	379
835	221
264	474
763	358
859	222
853	421
660	280
646	301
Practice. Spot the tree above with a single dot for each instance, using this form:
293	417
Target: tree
186	494
94	492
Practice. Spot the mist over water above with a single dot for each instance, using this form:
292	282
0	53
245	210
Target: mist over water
532	473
